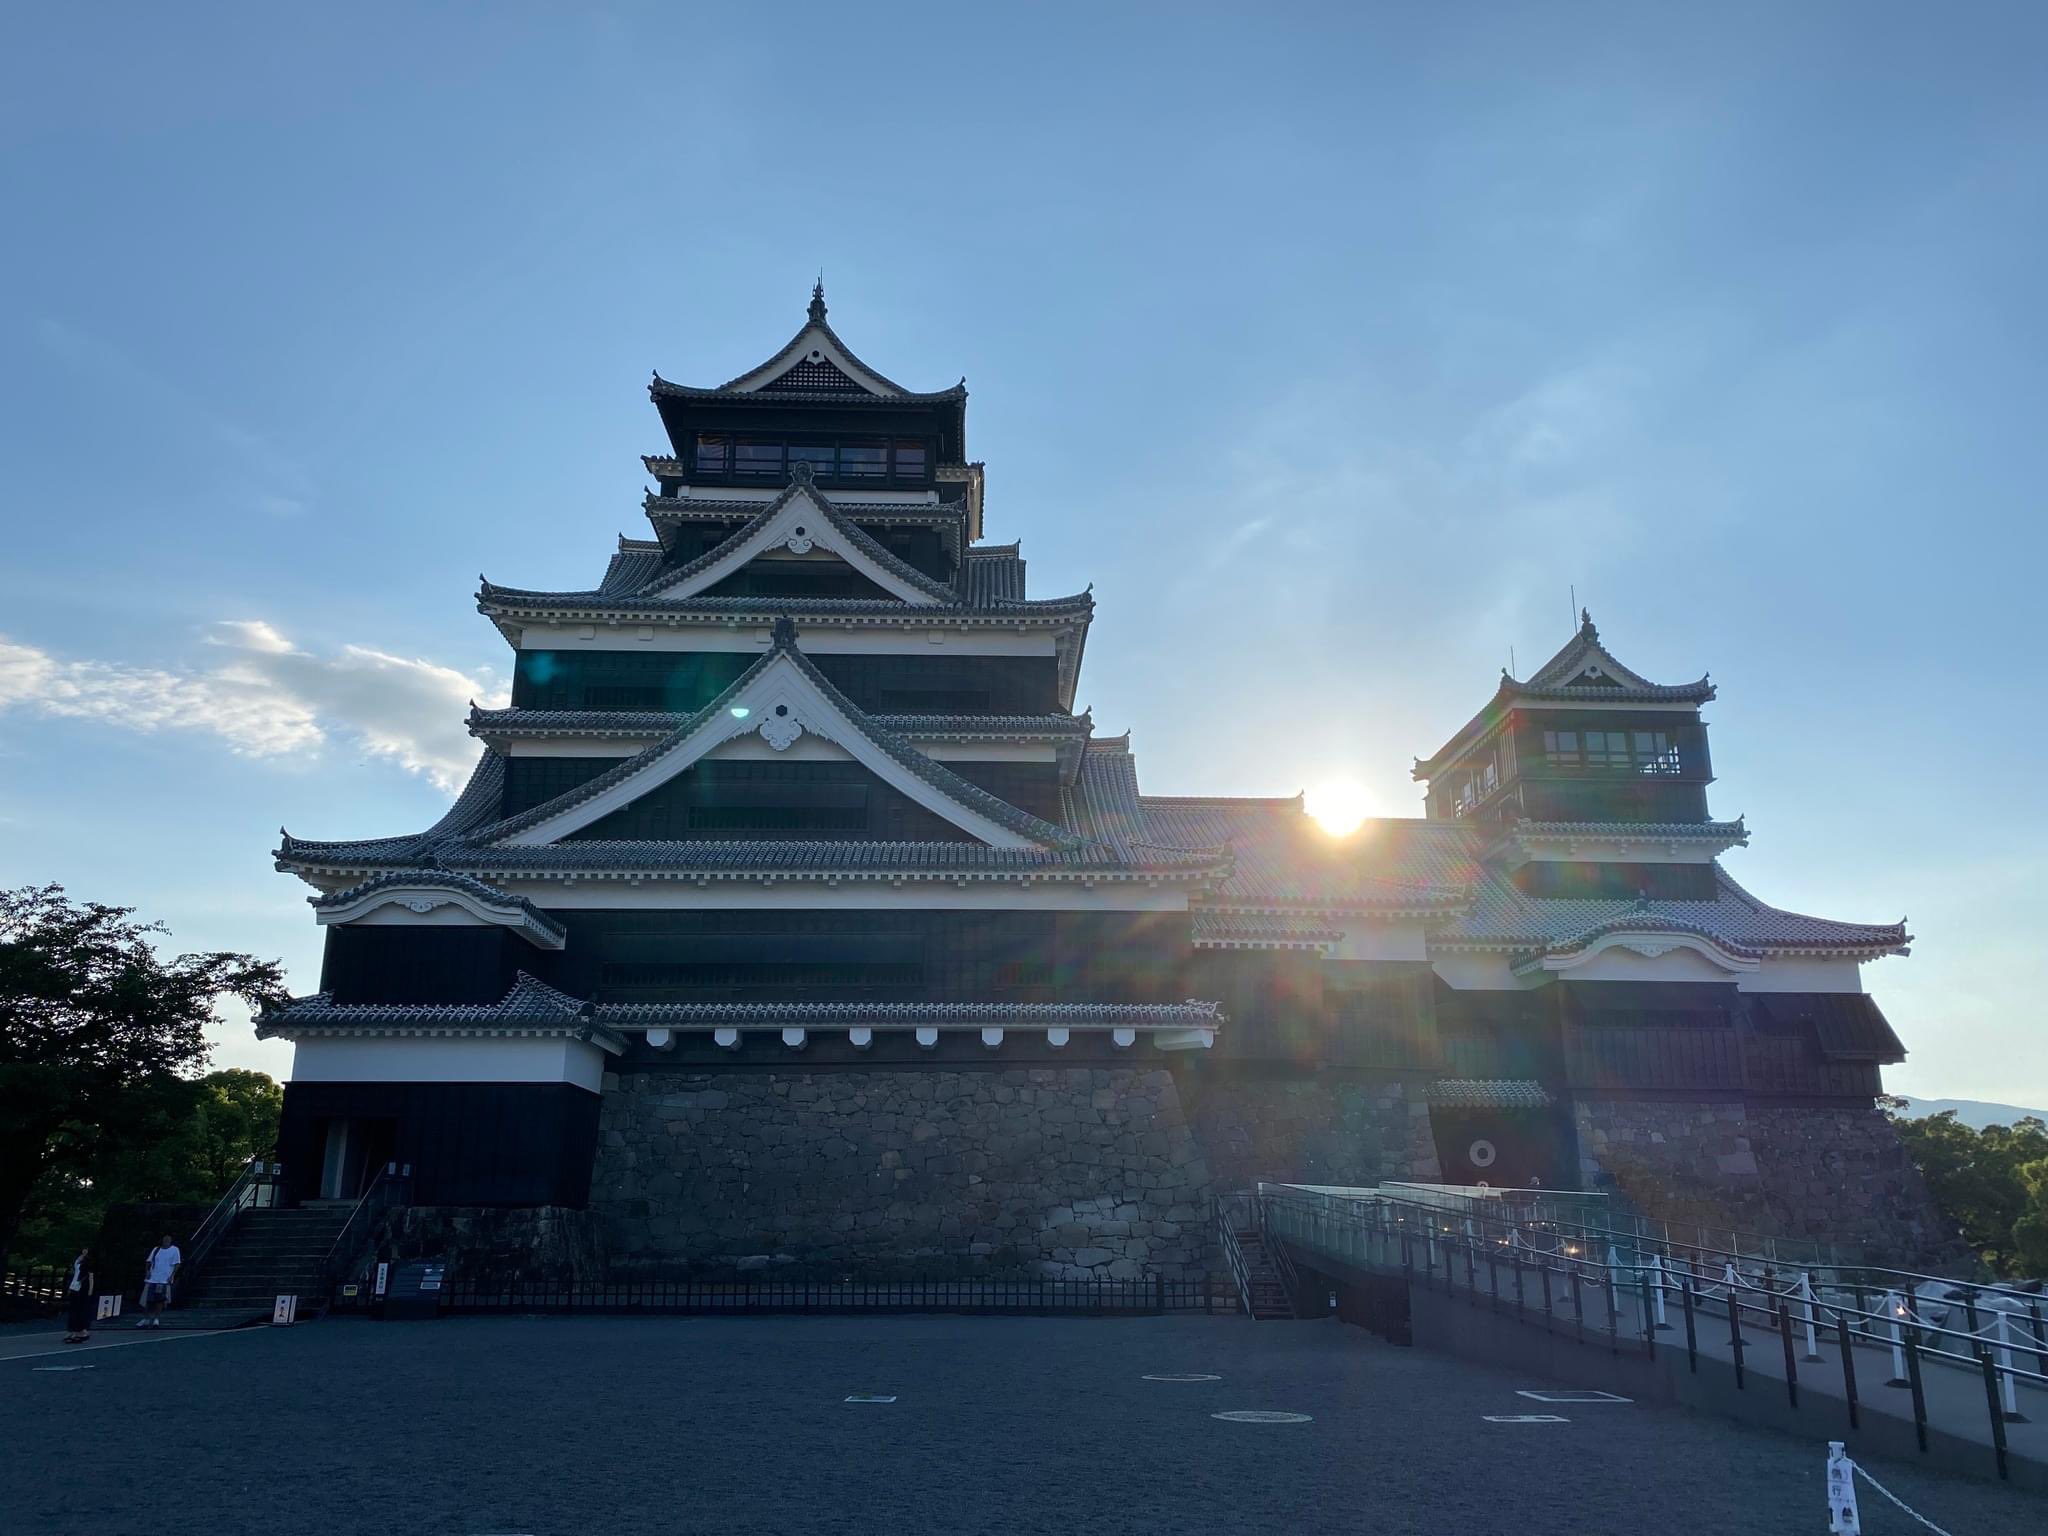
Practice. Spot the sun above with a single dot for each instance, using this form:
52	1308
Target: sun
1339	806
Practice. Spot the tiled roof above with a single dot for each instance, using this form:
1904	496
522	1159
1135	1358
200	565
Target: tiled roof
480	847
647	722
598	604
1281	858
1635	831
1584	671
1487	1093
1502	915
1226	929
445	880
800	485
792	354
532	1007
990	576
480	802
818	859
941	778
721	509
630	570
1192	1014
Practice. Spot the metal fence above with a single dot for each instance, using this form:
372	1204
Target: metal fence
30	1292
1040	1298
1613	1287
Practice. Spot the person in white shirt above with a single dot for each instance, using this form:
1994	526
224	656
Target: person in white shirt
158	1271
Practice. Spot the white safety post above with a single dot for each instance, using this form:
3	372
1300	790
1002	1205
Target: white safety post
1806	1307
1842	1517
2008	1393
1895	1309
1657	1291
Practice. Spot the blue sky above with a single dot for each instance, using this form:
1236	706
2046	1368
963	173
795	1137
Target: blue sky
1335	346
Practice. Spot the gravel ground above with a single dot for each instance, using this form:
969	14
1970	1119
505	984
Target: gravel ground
1014	1425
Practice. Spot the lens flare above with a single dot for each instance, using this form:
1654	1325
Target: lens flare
1339	807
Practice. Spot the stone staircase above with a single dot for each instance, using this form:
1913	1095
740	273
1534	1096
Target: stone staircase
1270	1302
267	1253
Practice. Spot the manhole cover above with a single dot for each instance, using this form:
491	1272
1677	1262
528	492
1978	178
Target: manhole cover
1191	1376
1261	1416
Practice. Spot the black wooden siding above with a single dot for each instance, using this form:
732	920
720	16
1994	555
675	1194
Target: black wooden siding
468	1143
726	799
882	684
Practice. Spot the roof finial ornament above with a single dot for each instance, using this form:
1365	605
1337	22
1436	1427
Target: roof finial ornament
782	634
818	297
1586	624
801	472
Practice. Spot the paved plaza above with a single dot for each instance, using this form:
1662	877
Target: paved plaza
557	1427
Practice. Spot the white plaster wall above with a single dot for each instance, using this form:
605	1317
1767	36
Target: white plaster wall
1804	976
394	914
1480	972
480	1059
1382	941
1619	964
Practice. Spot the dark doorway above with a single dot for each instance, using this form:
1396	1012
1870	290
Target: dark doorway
1503	1148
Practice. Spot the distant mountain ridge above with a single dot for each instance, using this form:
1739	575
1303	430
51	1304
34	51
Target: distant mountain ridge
1974	1113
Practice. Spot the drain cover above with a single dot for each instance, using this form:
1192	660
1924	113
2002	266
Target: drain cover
1261	1416
869	1397
1524	1418
1192	1376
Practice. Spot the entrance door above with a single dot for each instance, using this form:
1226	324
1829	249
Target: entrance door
336	1182
355	1152
1504	1148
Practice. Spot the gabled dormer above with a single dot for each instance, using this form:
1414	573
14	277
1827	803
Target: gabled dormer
1585	740
816	403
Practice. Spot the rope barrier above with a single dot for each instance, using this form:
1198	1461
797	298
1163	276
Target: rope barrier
1910	1511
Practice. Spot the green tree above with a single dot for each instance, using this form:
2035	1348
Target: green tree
98	1037
1992	1184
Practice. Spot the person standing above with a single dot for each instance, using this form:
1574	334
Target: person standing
78	1299
158	1271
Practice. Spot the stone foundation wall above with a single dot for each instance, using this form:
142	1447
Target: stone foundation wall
497	1245
1834	1175
1070	1172
1326	1129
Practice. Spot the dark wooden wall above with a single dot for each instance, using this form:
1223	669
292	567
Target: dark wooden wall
468	1143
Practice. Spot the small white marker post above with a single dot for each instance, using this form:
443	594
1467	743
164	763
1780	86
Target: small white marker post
2008	1394
1657	1279
1842	1517
285	1313
1806	1300
1894	1309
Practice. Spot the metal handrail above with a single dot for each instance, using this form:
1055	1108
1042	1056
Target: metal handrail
1283	1261
259	1173
387	1190
1233	1255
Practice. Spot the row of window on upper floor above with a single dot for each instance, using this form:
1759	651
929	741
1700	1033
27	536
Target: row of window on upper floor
1647	752
1651	753
879	460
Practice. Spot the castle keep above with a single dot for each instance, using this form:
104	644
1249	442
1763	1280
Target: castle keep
793	915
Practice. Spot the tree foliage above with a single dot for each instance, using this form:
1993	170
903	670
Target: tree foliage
1992	1184
99	1039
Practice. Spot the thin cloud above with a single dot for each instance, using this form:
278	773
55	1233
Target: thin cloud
268	699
